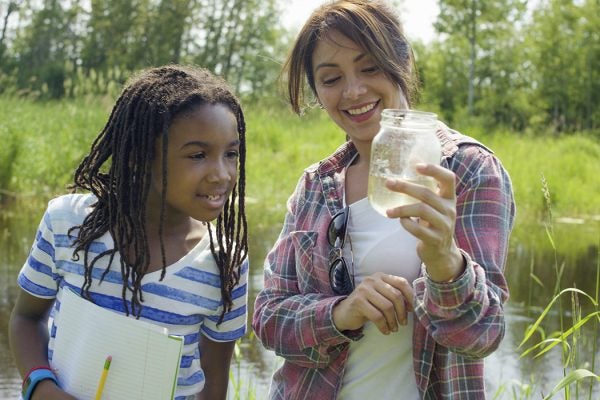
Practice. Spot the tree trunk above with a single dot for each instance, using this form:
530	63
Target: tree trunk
236	30
473	43
12	6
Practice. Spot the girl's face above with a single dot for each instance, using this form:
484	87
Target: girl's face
202	164
352	88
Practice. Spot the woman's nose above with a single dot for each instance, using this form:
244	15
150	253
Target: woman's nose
354	88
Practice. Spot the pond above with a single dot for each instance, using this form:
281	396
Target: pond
532	269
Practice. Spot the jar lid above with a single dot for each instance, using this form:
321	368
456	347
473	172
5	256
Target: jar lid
414	118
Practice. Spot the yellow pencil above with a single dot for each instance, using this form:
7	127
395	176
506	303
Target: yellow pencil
103	378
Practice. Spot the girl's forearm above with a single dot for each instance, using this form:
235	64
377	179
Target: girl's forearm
28	342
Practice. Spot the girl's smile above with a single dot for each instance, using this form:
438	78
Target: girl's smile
215	201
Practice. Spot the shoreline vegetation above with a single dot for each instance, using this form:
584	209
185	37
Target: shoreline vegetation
43	141
555	181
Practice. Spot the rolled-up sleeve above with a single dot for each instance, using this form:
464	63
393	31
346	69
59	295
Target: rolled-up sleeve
295	322
467	315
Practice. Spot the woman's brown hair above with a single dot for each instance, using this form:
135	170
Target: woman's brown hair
372	25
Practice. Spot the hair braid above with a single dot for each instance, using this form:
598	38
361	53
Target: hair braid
117	171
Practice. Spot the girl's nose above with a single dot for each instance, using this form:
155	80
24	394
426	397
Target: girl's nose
219	172
354	88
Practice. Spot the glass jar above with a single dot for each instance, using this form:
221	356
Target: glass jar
406	138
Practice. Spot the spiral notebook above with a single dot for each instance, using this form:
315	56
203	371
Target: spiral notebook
145	358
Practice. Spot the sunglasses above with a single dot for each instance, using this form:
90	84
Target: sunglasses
339	277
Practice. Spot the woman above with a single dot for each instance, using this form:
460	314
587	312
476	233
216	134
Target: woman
428	287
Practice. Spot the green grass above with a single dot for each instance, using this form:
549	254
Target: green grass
569	164
280	146
49	140
44	141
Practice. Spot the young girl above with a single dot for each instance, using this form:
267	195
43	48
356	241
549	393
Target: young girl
161	235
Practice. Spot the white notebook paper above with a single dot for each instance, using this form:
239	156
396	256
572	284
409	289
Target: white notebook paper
145	359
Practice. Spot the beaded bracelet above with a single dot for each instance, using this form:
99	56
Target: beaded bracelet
35	376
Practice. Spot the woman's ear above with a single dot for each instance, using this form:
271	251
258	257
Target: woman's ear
317	102
403	100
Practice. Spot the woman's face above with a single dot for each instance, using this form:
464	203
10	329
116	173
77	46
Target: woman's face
351	87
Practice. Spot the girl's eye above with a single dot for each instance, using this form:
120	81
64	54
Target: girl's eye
232	154
198	156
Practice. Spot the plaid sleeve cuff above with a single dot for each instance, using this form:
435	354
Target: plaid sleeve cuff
352	335
324	331
451	294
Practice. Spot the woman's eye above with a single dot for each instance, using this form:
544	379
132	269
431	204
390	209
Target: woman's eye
330	81
371	70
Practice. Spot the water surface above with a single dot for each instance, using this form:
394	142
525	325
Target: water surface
507	374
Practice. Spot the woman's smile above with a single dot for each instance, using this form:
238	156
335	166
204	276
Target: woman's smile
362	113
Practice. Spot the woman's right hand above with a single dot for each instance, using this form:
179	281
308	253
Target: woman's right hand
380	298
48	390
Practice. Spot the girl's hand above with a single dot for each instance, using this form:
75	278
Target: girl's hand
381	298
432	221
47	390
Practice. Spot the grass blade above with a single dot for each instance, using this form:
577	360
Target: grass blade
572	377
530	331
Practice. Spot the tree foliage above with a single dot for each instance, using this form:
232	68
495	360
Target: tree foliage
565	48
56	43
527	69
529	66
476	34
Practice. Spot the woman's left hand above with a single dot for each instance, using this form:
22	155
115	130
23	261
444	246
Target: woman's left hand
432	221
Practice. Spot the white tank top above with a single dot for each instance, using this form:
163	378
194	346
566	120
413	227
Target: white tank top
380	366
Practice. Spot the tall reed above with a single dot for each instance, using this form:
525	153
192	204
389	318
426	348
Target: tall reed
573	372
240	384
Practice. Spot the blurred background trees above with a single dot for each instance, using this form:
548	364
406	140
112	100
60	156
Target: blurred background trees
57	48
502	63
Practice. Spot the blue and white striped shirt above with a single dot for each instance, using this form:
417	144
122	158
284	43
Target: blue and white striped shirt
187	301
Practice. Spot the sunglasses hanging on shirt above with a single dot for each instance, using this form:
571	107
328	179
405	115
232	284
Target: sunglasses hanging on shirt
339	276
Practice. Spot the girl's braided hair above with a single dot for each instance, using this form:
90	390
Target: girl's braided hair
117	171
